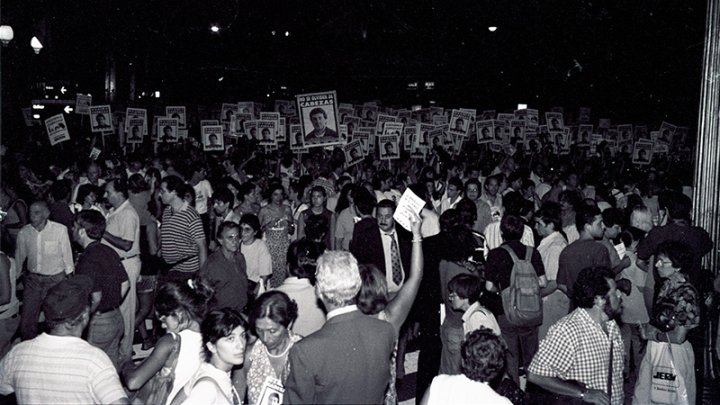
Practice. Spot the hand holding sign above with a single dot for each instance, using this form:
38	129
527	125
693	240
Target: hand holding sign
408	210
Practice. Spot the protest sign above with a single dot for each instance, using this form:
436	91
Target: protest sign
319	118
460	122
100	117
57	129
227	111
353	152
82	104
136	113
643	152
177	112
409	206
212	138
554	121
266	130
389	148
167	129
134	132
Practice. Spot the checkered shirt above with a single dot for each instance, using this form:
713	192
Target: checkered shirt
576	348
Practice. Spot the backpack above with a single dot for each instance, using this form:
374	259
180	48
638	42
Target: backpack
521	299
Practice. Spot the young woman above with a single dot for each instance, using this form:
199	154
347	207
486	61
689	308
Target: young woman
180	308
318	198
277	222
224	341
256	252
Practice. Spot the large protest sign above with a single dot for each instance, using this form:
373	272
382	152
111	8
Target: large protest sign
177	112
643	152
212	138
389	148
57	129
319	118
134	132
353	152
83	103
136	113
168	130
101	119
266	130
460	122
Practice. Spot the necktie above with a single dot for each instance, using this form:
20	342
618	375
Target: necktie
395	260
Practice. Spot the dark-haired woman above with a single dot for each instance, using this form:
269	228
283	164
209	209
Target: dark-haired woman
224	340
267	361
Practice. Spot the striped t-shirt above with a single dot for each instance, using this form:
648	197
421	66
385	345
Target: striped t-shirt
54	369
179	233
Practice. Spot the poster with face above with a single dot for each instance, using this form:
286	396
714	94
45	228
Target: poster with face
319	118
266	130
57	129
83	103
381	120
410	135
554	121
666	132
389	148
100	118
168	130
296	139
460	122
517	132
134	133
136	113
354	153
485	131
177	112
212	138
643	152
625	133
498	132
584	133
363	135
247	107
227	111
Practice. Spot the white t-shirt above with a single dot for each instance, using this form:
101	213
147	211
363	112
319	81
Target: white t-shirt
258	259
458	389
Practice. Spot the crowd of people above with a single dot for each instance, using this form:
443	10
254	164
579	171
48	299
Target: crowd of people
271	276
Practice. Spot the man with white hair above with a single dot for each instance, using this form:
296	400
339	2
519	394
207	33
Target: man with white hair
347	361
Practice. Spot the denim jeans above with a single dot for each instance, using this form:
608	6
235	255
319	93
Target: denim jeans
36	288
105	331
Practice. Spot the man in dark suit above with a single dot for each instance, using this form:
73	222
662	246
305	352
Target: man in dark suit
318	117
373	240
347	361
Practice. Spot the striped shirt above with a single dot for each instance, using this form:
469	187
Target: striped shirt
59	370
180	233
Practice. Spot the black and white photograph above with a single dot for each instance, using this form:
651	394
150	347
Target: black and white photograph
167	129
485	130
227	111
388	146
584	133
643	152
318	115
460	122
246	107
136	113
554	121
625	132
134	132
250	128
410	134
57	129
665	133
100	118
212	138
266	130
499	132
354	153
83	103
177	112
381	120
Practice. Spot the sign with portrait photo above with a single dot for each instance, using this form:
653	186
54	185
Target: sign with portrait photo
177	112
212	138
266	130
57	129
136	113
168	130
643	152
484	131
83	103
460	121
389	148
250	128
134	133
665	133
410	134
100	118
296	139
354	153
319	118
246	107
554	121
227	111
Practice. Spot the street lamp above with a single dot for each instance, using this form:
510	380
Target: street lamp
36	45
6	34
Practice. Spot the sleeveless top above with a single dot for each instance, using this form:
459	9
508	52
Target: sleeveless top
261	369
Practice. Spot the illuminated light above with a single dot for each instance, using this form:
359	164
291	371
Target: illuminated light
492	28
56	97
287	33
157	94
283	87
273	32
36	116
221	78
522	107
36	45
268	94
38	107
6	34
214	28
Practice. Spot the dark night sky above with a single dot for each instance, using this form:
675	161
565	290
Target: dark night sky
635	62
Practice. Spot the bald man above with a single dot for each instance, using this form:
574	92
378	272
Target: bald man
45	245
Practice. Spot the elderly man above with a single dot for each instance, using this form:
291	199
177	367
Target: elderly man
348	360
46	247
59	367
122	233
582	355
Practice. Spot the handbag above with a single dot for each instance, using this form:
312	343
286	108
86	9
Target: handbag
156	389
667	385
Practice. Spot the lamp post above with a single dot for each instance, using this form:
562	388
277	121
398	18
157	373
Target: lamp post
36	45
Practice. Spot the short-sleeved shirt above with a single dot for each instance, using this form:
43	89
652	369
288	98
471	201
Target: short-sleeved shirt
203	191
576	348
103	265
53	369
577	256
124	223
258	259
228	278
180	233
498	267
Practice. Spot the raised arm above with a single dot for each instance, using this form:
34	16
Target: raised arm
397	310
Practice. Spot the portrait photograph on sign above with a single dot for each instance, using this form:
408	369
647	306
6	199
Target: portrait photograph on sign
134	133
168	130
100	118
177	112
212	137
643	152
266	130
353	152
554	121
136	113
250	128
319	118
246	107
83	103
460	122
389	148
227	111
484	131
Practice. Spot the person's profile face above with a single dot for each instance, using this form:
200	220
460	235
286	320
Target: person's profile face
318	121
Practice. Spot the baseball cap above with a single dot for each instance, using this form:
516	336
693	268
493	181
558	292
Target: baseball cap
67	299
